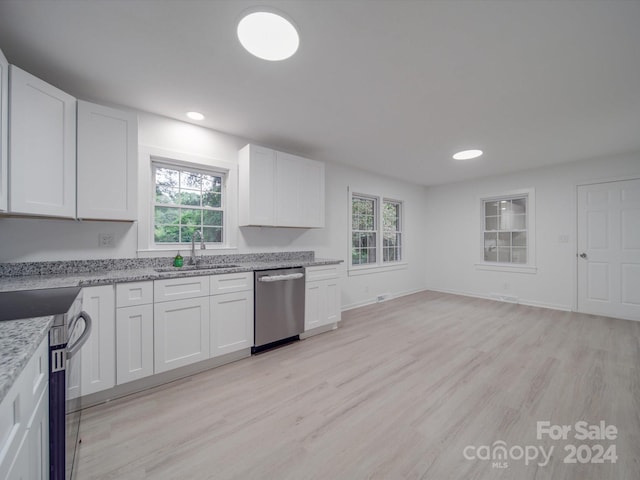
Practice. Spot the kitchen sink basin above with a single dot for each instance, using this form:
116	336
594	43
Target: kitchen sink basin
191	268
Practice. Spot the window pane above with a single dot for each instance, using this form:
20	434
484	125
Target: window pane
504	254
186	233
491	223
165	234
190	216
520	239
519	222
212	234
519	205
504	239
519	255
190	197
490	240
167	215
490	254
391	216
490	209
212	217
211	184
190	180
166	194
212	199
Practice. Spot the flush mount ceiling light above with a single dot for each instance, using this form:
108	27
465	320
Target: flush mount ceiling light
195	115
467	154
268	36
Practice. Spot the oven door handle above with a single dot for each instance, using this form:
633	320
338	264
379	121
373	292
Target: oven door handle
280	278
82	339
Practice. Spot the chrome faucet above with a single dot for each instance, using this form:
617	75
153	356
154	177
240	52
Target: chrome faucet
193	260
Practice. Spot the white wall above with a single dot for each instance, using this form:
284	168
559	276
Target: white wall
453	238
41	239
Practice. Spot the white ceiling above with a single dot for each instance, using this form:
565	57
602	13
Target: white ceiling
394	86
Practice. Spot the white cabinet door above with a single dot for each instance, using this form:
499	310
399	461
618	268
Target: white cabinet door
134	343
38	439
322	296
107	163
18	469
289	173
98	370
231	322
4	132
312	194
180	333
257	189
42	148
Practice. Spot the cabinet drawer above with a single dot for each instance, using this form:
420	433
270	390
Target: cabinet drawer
180	288
323	272
134	293
231	282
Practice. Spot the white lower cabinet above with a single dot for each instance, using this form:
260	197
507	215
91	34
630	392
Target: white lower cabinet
134	343
38	439
322	297
231	322
99	353
180	333
134	331
24	421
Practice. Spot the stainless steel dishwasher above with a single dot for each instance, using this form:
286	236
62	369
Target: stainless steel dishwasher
279	307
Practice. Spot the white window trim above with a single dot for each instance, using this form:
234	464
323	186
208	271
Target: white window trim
147	156
379	266
530	267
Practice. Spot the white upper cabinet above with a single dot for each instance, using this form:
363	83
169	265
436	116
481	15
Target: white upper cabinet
279	189
42	147
4	131
257	190
107	163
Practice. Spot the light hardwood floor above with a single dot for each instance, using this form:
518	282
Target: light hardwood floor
398	391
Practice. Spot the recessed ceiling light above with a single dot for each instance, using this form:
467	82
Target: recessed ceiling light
268	36
467	154
195	115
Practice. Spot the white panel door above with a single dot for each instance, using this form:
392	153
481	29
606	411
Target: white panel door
609	249
180	333
231	322
107	163
134	343
42	147
4	131
98	370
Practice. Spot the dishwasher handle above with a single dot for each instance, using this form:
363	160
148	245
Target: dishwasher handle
280	278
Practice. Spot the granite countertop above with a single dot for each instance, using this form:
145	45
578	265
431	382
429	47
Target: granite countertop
19	339
107	277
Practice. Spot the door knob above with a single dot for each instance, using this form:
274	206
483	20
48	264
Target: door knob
583	255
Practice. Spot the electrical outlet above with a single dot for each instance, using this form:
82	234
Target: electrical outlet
105	240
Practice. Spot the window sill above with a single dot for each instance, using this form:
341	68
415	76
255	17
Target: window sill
504	267
371	269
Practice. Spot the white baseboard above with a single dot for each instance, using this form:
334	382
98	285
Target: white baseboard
371	301
509	299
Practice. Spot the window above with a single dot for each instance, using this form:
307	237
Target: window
392	234
376	231
185	200
505	230
363	230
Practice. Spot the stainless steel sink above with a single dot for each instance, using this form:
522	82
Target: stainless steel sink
191	268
